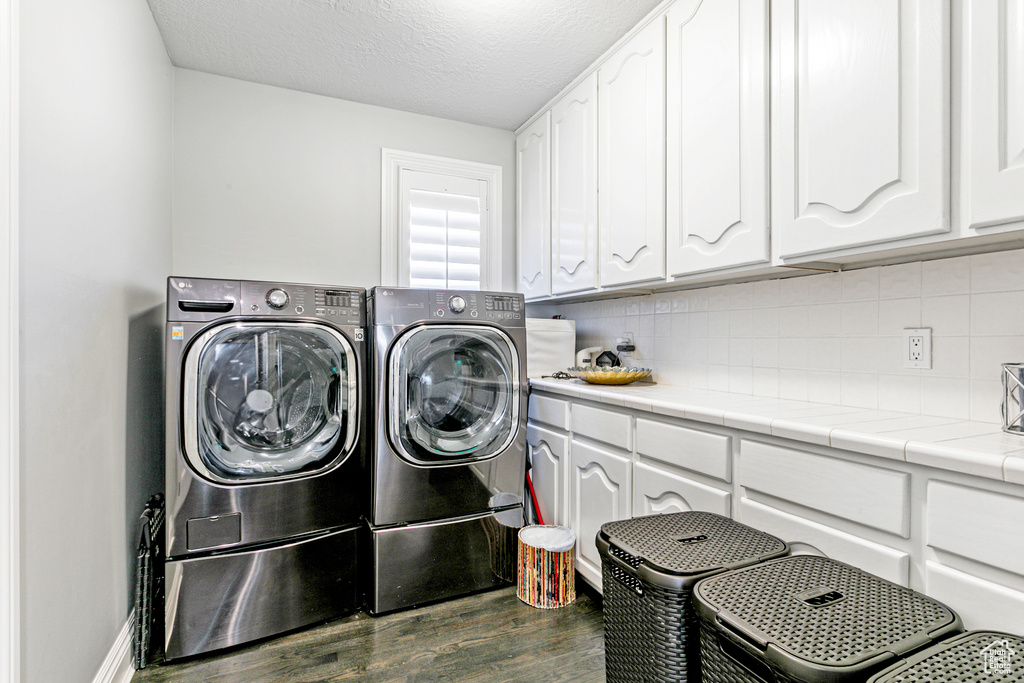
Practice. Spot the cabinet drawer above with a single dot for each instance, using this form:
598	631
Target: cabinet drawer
553	411
690	449
603	425
890	564
977	524
873	496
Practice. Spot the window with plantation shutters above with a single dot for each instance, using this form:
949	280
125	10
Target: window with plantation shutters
444	243
440	222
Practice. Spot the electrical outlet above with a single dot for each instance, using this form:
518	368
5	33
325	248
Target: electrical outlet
917	347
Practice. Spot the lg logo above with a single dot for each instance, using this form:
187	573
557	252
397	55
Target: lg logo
185	285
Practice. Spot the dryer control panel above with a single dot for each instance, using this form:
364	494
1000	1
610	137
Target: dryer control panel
398	306
478	306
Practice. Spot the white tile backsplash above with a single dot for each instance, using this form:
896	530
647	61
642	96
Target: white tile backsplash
1001	271
860	318
833	337
946	276
901	281
860	285
997	314
947	314
826	289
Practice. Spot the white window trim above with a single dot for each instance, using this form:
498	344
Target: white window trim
10	524
392	162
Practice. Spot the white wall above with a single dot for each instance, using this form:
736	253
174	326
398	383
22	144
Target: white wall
833	338
96	100
276	184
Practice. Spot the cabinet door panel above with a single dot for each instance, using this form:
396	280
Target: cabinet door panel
658	491
533	187
547	452
717	135
600	484
880	560
860	122
993	110
574	189
631	125
980	603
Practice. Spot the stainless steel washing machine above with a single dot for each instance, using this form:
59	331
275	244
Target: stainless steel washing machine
450	411
266	468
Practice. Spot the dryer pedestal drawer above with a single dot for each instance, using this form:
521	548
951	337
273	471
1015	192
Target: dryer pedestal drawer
223	600
416	564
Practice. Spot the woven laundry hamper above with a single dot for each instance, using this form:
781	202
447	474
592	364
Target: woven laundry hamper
649	566
974	657
806	619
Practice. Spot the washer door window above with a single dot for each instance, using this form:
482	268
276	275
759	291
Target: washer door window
454	394
269	401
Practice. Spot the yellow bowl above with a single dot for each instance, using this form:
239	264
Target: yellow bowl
611	375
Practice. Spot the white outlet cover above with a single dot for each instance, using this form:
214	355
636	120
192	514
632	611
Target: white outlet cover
925	351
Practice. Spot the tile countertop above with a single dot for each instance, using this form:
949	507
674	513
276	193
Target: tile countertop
978	448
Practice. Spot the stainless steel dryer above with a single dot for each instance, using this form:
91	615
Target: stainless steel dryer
265	458
450	408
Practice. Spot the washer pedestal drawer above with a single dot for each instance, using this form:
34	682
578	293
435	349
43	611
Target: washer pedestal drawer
218	601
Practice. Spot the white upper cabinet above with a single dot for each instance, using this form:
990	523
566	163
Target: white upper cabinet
631	133
992	132
860	151
717	135
533	210
574	189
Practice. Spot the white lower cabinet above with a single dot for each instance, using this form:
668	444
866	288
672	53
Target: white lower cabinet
658	491
599	491
548	450
982	604
975	554
802	496
957	538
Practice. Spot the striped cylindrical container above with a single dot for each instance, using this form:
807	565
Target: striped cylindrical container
547	566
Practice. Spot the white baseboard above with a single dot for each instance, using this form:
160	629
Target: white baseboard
119	666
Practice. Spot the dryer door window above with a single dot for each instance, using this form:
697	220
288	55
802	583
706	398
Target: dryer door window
454	394
269	401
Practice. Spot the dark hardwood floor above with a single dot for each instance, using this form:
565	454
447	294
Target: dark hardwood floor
488	637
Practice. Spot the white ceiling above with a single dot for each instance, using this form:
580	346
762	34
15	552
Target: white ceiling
490	62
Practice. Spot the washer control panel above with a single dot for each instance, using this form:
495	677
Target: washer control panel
340	306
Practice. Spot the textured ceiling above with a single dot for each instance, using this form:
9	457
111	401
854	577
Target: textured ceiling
490	62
